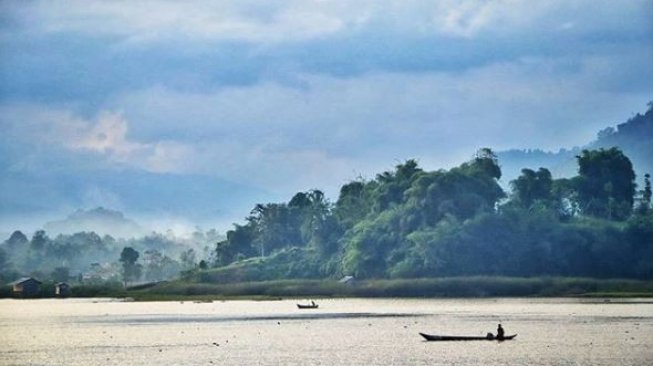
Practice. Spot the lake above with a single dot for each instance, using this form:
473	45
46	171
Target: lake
92	332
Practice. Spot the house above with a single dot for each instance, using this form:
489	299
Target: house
61	289
26	287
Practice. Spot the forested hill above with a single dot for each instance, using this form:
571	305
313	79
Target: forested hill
410	223
99	220
634	137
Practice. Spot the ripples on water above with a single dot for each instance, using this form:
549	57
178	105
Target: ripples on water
341	332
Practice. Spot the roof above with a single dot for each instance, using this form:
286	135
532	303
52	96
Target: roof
61	284
24	279
346	279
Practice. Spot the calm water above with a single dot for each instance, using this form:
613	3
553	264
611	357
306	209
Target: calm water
341	332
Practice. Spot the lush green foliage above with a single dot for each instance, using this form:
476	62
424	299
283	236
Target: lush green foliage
606	185
410	223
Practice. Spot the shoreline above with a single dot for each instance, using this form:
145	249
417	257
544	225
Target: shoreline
447	287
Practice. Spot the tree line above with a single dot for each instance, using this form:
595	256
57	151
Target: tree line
408	223
91	258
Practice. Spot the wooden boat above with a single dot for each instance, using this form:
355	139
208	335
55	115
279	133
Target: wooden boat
312	305
430	337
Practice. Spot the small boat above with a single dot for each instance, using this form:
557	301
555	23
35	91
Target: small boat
489	337
312	305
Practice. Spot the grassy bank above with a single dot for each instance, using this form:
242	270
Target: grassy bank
426	287
431	287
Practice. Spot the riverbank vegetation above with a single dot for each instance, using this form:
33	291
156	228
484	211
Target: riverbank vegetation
475	286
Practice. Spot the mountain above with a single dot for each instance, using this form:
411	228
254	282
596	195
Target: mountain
99	220
31	194
634	137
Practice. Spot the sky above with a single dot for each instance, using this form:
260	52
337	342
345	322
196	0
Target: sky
104	102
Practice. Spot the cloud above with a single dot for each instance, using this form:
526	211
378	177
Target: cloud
105	137
151	21
299	20
292	95
57	52
396	115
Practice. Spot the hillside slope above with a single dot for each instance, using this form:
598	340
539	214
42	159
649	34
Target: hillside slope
634	137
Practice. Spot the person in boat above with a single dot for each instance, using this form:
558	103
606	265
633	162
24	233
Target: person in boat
500	332
312	303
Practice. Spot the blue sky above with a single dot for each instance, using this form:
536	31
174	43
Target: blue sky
283	96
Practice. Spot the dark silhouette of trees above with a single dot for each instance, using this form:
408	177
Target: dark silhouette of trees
17	240
606	185
39	240
131	271
533	186
645	204
408	222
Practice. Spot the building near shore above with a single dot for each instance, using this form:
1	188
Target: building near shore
347	280
61	289
26	287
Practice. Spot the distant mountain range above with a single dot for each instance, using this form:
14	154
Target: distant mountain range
142	194
99	220
634	137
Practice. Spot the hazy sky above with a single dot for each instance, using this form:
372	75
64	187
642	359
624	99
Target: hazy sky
286	96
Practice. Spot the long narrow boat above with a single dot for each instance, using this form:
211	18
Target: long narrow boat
430	337
310	306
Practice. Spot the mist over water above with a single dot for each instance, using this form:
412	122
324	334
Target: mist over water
340	332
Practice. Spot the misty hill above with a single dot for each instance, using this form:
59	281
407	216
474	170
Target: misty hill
99	220
29	194
634	137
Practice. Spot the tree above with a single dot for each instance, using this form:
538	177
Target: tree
17	240
486	161
39	240
532	186
646	194
35	256
188	259
352	204
390	187
606	186
239	243
159	267
312	218
3	259
276	227
131	271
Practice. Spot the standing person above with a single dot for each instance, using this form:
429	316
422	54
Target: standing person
500	332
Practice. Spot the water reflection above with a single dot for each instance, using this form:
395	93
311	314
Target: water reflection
219	319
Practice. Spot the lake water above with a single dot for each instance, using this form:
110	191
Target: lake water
92	332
